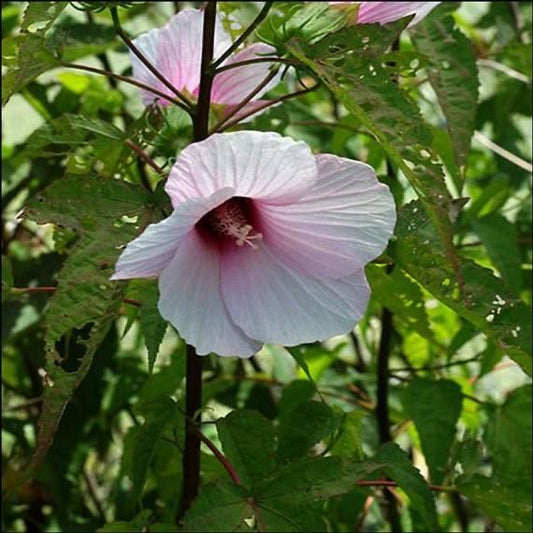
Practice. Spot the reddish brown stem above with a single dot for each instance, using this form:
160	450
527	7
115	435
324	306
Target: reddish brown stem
129	80
193	373
226	123
222	125
221	458
145	157
129	43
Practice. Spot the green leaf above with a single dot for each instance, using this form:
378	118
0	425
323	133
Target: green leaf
85	302
316	478
85	203
483	299
68	131
298	391
247	439
158	413
81	39
470	457
303	426
139	524
509	508
165	382
163	527
399	468
509	438
117	527
297	353
27	56
350	442
402	296
153	326
362	83
41	14
435	407
219	507
499	237
309	21
452	71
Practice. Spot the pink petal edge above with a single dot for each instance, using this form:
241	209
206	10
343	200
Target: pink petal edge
191	300
270	302
342	223
258	165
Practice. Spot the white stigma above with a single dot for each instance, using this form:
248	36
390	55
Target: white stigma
228	219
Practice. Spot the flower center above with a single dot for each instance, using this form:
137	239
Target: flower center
232	219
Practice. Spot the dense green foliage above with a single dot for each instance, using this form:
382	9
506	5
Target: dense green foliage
92	376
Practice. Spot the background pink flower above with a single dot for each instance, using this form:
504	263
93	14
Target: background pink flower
175	50
384	12
266	243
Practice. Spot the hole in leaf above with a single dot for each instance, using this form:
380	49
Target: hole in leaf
72	347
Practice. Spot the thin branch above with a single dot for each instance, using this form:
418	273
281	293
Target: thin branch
461	510
233	474
143	175
261	59
221	458
22	406
502	152
382	405
243	36
435	367
145	157
360	364
93	493
226	123
511	72
129	43
127	79
364	513
365	404
222	124
103	56
518	21
389	483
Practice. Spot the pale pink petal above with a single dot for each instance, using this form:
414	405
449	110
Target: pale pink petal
384	12
147	45
258	165
176	51
234	85
272	303
147	255
344	222
191	300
